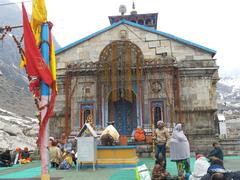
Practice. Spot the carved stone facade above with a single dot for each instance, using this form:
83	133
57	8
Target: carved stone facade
177	84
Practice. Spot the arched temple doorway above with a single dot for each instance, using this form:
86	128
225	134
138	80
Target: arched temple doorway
123	112
120	96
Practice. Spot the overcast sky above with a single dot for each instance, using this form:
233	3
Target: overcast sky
211	23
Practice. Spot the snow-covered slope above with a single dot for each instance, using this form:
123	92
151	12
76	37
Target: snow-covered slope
228	90
17	131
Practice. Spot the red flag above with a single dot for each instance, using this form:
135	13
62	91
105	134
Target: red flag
48	114
35	65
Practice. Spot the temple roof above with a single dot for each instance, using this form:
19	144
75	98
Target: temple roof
149	20
145	28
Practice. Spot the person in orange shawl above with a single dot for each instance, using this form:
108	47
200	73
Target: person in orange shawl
139	135
17	155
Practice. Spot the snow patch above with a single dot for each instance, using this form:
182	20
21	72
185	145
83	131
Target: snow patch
17	131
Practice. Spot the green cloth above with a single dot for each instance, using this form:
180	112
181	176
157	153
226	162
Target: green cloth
27	173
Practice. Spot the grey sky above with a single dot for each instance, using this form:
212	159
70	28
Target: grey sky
211	23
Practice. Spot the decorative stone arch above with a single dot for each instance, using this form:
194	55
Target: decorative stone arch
122	64
107	49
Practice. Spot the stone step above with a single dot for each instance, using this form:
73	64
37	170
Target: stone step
237	148
147	152
237	142
231	153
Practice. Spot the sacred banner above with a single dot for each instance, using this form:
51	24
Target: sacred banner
128	72
114	72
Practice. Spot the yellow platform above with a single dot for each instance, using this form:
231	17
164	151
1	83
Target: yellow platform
115	156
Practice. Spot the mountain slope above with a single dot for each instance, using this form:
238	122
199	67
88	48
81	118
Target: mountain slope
228	90
14	93
17	131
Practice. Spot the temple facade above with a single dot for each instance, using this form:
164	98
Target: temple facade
133	75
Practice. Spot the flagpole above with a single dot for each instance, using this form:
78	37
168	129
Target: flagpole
45	92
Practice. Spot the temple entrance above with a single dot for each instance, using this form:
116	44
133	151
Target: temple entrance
123	113
120	79
157	110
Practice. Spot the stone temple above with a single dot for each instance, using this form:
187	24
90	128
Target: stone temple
133	75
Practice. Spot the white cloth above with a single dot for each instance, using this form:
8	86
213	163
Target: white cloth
200	168
179	145
111	131
143	172
16	158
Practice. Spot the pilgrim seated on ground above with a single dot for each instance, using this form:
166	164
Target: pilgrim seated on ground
228	175
200	168
55	154
159	172
216	151
5	159
17	155
68	160
216	171
21	156
25	156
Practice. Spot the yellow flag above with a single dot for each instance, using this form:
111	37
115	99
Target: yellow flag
53	62
23	62
39	16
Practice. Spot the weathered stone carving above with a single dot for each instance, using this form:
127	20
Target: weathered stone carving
156	86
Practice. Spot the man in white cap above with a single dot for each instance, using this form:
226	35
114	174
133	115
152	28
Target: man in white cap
162	138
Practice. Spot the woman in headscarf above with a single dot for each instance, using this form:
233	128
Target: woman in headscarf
180	150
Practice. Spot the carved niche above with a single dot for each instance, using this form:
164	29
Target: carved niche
155	86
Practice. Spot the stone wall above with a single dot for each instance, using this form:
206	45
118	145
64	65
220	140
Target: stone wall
197	76
152	45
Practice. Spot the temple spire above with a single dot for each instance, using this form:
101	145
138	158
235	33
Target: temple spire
149	19
133	12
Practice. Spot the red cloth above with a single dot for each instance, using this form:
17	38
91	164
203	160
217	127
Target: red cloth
199	155
34	87
48	114
35	65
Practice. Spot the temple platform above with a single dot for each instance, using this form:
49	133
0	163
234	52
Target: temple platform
114	157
